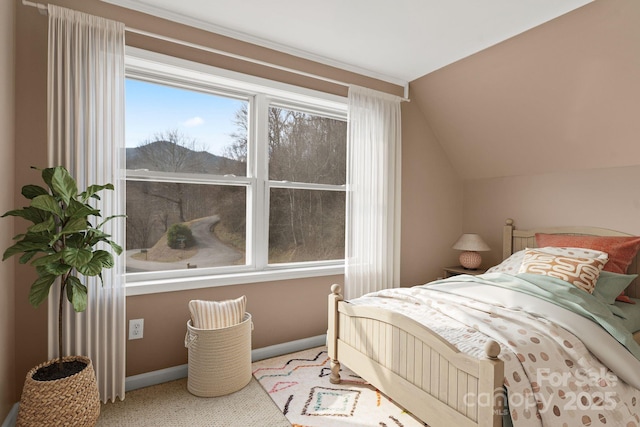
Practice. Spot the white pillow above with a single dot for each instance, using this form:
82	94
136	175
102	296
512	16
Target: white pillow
217	314
510	265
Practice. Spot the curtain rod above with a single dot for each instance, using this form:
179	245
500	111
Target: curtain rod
42	8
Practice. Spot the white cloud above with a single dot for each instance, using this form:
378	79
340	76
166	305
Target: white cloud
194	121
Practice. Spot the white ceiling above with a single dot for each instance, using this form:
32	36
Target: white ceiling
393	40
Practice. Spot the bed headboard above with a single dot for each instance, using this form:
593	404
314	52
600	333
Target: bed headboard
515	240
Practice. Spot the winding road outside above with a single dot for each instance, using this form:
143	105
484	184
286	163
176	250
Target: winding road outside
211	251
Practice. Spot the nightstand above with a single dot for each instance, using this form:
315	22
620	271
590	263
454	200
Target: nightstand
458	269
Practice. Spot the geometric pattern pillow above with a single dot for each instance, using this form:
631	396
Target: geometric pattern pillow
581	272
512	264
217	314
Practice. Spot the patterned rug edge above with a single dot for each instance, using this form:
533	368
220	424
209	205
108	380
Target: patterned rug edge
299	385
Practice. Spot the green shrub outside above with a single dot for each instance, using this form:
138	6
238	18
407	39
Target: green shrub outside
179	236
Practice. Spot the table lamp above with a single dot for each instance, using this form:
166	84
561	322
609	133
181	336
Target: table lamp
470	244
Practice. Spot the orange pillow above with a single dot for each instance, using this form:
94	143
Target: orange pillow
621	249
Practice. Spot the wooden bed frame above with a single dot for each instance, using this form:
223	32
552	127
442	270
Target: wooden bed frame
420	370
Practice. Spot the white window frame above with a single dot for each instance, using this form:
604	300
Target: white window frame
158	68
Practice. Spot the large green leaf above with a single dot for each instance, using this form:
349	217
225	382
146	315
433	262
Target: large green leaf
105	258
26	257
56	268
100	260
32	191
40	238
93	189
29	213
76	294
95	236
47	225
80	210
76	257
47	259
116	248
75	225
40	289
47	203
63	184
23	246
47	175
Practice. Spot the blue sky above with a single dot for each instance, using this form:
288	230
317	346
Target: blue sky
153	108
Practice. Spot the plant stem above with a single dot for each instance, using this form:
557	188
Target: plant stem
63	281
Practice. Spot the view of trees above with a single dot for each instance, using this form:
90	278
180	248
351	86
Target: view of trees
304	224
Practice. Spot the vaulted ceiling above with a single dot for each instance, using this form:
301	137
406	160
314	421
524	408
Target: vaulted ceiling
397	40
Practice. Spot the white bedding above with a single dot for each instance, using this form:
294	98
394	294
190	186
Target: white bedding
552	377
599	342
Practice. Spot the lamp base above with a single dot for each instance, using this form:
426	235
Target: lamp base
470	260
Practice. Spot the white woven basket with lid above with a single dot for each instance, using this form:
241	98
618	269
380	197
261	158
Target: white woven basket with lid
219	359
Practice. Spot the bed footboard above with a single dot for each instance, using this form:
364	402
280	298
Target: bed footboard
414	366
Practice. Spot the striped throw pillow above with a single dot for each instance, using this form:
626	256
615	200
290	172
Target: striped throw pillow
217	314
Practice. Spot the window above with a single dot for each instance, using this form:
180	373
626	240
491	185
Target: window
230	176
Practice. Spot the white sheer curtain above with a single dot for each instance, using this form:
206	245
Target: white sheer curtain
373	196
85	133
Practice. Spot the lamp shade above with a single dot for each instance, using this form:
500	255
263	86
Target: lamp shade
471	244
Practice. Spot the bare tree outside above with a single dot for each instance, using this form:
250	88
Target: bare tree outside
306	225
171	151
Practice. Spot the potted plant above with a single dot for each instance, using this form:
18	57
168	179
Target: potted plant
62	245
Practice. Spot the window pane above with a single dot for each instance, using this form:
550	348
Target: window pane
306	225
307	148
174	226
171	129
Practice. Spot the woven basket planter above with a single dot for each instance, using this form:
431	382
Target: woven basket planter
219	359
70	401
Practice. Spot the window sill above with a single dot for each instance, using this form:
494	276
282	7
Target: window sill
199	282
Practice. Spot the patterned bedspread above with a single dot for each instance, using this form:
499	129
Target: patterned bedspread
550	376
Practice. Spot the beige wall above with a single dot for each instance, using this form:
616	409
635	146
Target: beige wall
607	198
543	127
7	282
30	150
431	202
563	96
283	310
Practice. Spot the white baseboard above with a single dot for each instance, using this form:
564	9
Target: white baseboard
176	372
288	347
12	417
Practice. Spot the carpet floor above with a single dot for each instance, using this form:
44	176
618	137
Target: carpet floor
290	390
171	404
299	384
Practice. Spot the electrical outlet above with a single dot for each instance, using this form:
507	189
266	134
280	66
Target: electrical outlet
136	328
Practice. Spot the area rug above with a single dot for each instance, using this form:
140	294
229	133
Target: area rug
299	384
